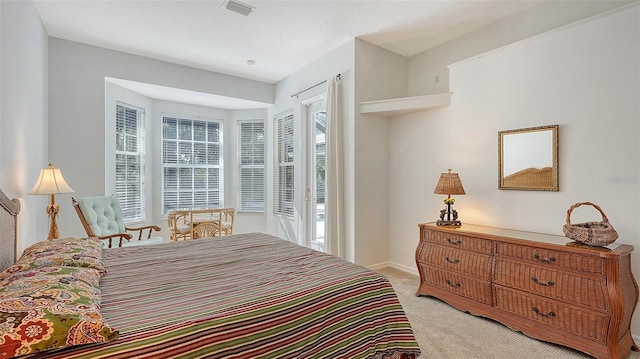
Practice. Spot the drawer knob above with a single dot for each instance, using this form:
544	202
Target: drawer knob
457	242
537	281
539	259
454	261
456	285
547	315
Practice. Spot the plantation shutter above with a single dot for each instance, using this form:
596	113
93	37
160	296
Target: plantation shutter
251	152
130	162
284	171
192	163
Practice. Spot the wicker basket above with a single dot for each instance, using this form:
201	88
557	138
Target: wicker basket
591	233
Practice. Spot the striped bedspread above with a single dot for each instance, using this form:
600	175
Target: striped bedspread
245	296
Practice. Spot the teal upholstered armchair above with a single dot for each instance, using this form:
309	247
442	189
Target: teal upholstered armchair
101	217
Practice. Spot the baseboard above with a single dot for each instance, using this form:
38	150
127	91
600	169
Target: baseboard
378	266
400	267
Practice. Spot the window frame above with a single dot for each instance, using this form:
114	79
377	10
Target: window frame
282	162
261	190
125	198
218	193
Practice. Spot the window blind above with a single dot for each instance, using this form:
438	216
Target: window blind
192	163
284	171
130	162
251	152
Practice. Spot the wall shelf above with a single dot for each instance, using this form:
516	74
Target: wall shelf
400	106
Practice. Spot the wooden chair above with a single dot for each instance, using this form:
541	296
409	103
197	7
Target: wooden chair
200	223
223	218
179	223
206	230
227	217
101	217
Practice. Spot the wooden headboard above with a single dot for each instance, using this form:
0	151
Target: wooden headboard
9	210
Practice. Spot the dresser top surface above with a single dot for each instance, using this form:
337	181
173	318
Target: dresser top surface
497	233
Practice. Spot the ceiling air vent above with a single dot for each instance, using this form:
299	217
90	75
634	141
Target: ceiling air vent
238	7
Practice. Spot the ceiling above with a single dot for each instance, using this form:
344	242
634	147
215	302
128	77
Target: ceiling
281	37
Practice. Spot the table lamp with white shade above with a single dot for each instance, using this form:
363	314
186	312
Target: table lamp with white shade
51	182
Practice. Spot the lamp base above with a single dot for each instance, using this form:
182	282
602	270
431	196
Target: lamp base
451	216
449	223
52	211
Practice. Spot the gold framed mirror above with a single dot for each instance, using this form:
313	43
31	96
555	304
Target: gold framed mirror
528	159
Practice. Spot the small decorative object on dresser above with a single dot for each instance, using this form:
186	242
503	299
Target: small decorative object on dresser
570	294
591	233
449	183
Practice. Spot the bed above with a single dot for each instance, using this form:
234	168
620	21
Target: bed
242	296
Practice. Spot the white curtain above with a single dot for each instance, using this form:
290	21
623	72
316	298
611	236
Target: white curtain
334	173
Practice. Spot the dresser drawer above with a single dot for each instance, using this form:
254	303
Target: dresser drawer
460	284
459	241
551	258
574	320
587	291
471	263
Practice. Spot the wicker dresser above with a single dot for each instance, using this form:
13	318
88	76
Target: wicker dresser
548	287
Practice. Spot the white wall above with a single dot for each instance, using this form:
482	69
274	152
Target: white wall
23	114
77	108
584	77
548	15
1	93
380	74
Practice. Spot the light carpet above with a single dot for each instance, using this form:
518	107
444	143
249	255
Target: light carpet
445	332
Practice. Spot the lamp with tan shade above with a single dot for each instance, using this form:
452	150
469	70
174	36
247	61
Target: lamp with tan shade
449	184
51	182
